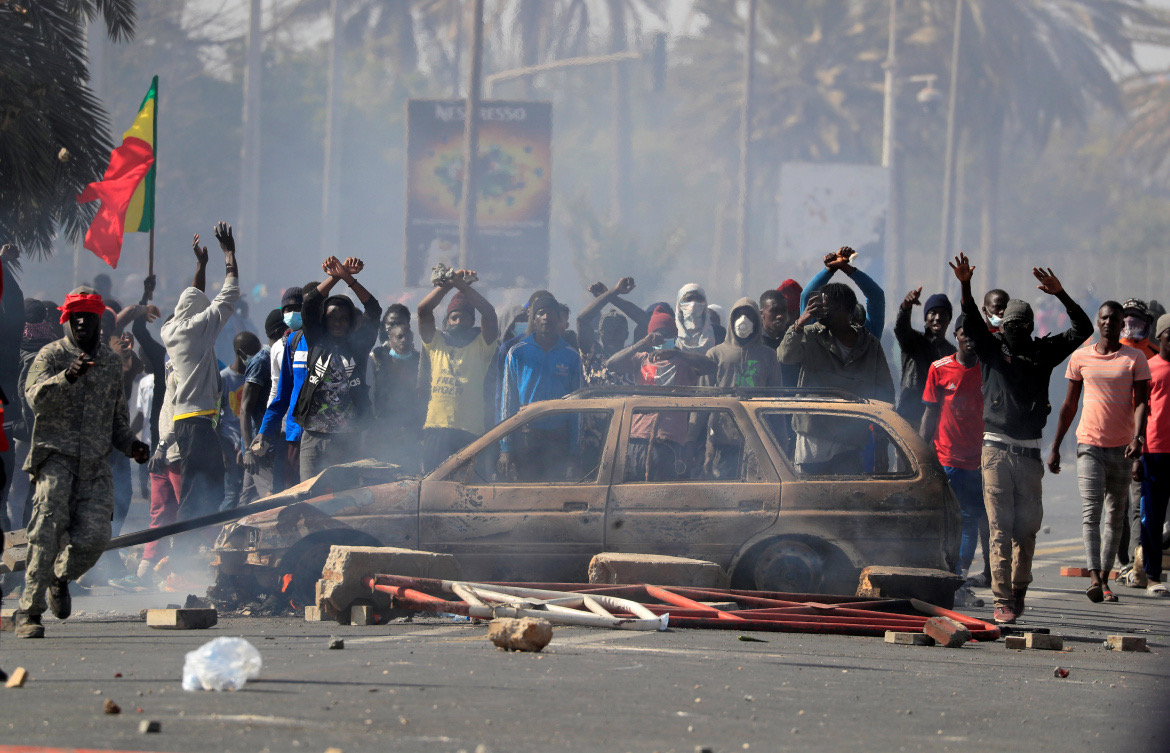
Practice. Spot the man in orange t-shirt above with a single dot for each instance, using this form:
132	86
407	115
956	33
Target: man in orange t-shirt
1155	465
1114	379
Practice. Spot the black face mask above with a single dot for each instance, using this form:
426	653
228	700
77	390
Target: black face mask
1019	340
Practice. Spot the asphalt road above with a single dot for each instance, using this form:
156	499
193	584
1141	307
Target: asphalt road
440	686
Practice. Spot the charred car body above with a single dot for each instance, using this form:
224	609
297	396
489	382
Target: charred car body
752	511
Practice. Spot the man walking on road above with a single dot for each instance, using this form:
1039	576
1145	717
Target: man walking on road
75	391
1016	369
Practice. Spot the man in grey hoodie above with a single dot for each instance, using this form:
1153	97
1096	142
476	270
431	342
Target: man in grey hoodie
742	360
189	337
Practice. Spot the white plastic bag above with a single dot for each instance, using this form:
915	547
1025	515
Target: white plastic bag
221	664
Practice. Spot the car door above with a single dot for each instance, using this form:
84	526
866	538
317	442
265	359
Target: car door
530	528
699	513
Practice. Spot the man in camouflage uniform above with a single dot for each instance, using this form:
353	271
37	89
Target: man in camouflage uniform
74	389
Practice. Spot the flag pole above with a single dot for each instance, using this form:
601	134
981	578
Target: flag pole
154	149
151	257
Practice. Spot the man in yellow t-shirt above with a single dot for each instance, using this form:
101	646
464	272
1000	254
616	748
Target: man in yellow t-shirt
459	357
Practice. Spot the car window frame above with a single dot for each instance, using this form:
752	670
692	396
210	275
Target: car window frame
915	470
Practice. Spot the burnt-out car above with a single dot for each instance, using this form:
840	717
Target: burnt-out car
733	493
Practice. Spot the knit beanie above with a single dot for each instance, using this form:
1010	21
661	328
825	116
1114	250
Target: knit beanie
939	301
791	291
1018	310
663	323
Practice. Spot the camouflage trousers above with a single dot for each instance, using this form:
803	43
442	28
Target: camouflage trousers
70	524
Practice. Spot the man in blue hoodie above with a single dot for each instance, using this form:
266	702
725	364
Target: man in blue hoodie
290	358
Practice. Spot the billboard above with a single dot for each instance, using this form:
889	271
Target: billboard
824	206
514	192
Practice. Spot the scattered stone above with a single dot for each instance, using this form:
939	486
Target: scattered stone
750	639
1126	643
181	619
908	639
149	727
618	568
927	584
947	632
1044	642
110	707
523	634
18	678
1017	642
1060	672
6	618
313	614
347	567
362	614
117	675
196	602
704	749
336	643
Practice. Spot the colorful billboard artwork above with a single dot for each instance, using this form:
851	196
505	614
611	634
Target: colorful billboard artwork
514	194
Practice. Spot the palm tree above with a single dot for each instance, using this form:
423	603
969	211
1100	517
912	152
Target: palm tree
54	129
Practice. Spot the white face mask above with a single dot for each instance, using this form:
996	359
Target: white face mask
692	312
744	327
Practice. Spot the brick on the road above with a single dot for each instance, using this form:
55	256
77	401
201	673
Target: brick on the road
18	678
908	639
947	632
1126	643
181	619
1044	642
1017	642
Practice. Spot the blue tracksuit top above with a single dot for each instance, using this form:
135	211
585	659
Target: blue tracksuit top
288	388
532	374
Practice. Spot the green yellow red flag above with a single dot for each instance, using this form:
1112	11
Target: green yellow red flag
126	191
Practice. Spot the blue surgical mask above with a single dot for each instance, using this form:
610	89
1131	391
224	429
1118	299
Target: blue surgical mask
995	321
520	329
666	344
292	319
400	356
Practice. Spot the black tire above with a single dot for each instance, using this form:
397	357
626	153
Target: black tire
305	560
799	565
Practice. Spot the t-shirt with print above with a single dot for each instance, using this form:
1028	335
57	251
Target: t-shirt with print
1158	425
457	383
259	373
597	374
671	424
958	391
331	410
1107	413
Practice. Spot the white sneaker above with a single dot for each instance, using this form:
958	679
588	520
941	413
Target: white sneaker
1157	589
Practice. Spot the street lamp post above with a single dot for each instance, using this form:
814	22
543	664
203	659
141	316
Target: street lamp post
745	143
471	138
889	157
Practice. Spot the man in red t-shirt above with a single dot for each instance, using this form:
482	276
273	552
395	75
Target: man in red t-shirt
953	423
1155	463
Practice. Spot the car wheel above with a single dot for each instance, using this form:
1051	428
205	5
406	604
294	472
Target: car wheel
790	566
302	564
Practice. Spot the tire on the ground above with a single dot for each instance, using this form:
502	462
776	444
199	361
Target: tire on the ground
305	560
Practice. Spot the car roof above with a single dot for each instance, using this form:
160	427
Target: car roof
770	394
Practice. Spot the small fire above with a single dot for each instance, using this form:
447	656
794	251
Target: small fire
285	582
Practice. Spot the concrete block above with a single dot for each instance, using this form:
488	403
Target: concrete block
362	614
523	634
313	614
6	619
18	678
655	569
932	586
908	639
181	619
347	566
947	632
1126	643
1017	642
1044	642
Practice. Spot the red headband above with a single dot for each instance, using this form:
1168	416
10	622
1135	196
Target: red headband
81	303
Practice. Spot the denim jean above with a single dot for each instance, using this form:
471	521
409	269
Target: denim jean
968	488
1155	495
1103	475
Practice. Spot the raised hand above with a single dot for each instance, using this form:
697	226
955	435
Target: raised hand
354	265
1048	282
598	289
912	299
624	286
332	266
200	252
962	268
839	260
148	285
223	234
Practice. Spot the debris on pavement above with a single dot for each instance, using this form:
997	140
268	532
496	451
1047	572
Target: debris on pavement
1044	642
928	584
336	643
908	639
221	664
611	568
18	678
1016	642
523	634
362	615
346	568
110	707
1060	672
1126	643
149	726
181	619
947	632
750	639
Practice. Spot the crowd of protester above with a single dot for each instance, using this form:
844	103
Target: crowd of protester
221	415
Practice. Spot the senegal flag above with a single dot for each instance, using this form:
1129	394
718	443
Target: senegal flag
126	190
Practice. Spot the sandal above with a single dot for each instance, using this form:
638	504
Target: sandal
1095	593
1157	589
1107	595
